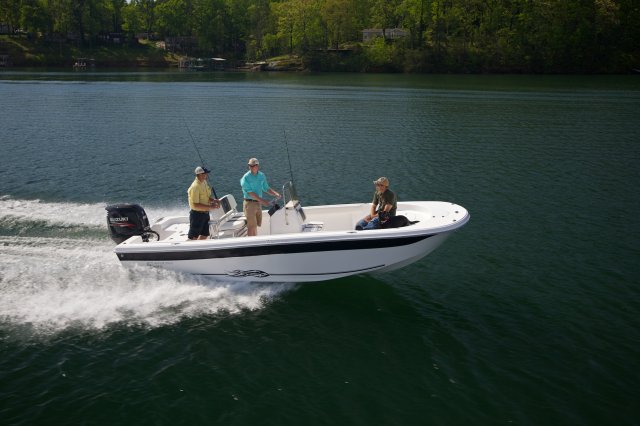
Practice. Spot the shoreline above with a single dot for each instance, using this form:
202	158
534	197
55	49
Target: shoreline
22	53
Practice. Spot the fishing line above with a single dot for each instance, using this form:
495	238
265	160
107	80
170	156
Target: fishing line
193	140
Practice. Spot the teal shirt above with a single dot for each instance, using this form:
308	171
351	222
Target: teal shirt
254	183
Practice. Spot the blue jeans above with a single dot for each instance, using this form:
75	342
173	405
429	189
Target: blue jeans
372	224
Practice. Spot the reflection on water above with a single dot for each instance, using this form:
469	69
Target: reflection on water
385	81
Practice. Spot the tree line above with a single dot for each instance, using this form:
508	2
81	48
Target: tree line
543	36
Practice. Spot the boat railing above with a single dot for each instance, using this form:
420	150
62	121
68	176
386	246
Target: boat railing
289	193
290	201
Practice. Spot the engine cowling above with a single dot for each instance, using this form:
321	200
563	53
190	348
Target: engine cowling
126	220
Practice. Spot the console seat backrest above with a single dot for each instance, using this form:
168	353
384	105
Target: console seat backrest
227	221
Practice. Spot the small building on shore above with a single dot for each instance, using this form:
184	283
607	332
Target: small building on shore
388	34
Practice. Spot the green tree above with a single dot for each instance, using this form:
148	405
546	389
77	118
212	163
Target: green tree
10	11
145	13
386	14
260	29
132	20
209	24
338	18
171	17
300	24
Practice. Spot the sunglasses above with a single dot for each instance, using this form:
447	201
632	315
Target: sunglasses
254	165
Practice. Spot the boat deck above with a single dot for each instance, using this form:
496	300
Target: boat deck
229	223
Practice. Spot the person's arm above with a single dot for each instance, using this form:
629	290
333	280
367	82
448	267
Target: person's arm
211	206
274	193
215	202
201	206
389	203
258	199
267	188
372	212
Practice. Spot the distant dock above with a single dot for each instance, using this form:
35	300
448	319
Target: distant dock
83	64
203	64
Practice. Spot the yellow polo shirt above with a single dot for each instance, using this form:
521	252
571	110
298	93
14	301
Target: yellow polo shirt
199	193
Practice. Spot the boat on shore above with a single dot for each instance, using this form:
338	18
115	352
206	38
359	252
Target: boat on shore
294	244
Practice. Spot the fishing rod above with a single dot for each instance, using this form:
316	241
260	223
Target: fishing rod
199	155
286	145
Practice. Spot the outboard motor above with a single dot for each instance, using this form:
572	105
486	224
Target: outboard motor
126	220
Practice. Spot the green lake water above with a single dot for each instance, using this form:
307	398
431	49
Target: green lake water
528	315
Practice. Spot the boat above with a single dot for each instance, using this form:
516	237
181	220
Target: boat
294	244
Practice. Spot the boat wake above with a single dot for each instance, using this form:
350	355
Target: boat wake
50	283
65	214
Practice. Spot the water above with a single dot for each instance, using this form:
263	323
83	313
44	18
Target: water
528	315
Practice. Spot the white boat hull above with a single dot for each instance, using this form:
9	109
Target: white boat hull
336	250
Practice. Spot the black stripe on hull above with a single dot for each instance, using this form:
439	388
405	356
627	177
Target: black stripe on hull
266	250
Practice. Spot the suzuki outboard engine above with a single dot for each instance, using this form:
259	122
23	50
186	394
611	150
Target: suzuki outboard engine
127	220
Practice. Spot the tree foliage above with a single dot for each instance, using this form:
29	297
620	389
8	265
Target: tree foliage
443	35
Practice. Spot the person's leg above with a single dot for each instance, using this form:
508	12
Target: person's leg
252	220
203	232
193	231
373	224
258	216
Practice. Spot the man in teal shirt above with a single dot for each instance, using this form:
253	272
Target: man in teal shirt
254	185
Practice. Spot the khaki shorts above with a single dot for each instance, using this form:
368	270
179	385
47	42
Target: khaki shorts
253	213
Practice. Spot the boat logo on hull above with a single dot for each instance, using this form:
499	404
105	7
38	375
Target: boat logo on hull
250	273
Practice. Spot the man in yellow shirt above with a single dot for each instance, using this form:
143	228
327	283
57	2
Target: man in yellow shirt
200	202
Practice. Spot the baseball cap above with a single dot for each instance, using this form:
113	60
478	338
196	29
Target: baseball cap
382	181
200	170
253	161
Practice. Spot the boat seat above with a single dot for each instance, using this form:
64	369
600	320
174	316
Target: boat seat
235	226
227	209
227	221
235	221
171	227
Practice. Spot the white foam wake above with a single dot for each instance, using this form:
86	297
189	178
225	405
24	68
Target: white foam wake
55	284
50	284
70	214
